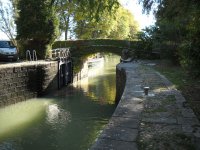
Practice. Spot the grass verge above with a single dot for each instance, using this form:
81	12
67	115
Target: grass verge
189	87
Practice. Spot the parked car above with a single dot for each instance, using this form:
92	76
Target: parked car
8	51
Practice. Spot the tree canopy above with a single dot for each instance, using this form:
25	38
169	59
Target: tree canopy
97	20
177	31
118	25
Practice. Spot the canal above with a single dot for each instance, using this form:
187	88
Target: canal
68	119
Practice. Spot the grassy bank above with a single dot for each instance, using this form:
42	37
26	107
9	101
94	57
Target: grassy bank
189	87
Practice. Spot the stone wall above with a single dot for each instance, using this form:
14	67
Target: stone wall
21	81
120	82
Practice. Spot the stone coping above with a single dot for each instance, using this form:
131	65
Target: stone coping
122	130
24	63
126	60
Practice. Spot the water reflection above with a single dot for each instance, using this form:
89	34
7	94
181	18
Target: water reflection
99	77
96	70
70	118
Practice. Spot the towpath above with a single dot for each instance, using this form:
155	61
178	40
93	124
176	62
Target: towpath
161	120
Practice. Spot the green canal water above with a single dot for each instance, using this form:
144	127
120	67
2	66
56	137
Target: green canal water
68	119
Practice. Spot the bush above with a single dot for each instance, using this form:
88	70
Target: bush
190	57
37	25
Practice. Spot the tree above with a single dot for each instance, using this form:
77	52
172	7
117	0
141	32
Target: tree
66	11
145	42
178	23
148	5
190	45
7	25
86	28
71	11
96	7
118	25
126	27
37	25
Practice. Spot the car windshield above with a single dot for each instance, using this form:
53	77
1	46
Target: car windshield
4	44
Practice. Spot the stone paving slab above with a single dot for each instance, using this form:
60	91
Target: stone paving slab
119	133
161	120
106	144
124	122
119	112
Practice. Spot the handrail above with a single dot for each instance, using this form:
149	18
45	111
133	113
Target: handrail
62	53
28	54
67	52
34	55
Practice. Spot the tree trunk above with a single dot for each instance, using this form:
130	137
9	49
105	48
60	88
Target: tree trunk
67	27
66	34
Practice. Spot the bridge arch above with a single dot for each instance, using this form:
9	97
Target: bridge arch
81	49
84	47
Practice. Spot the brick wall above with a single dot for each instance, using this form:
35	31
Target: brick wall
25	81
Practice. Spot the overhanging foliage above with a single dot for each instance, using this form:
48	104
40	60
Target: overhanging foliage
177	31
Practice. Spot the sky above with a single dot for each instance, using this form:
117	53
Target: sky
2	35
132	5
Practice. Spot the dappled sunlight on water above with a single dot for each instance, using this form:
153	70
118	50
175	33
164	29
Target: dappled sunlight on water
57	116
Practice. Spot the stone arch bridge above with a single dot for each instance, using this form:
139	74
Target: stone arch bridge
81	48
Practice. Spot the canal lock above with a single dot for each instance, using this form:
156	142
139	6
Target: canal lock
65	72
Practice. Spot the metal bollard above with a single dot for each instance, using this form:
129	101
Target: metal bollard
146	90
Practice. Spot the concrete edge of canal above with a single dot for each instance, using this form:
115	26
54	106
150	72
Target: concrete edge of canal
162	114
